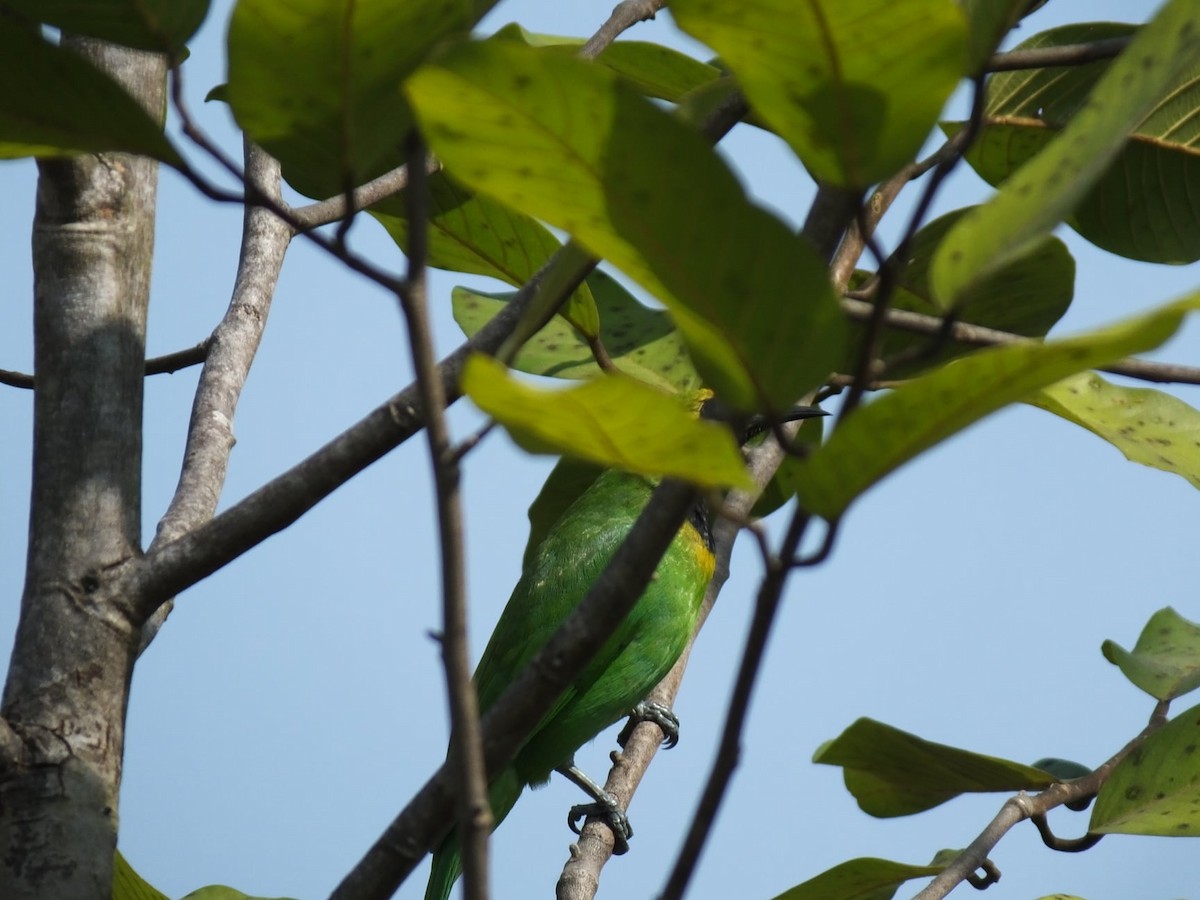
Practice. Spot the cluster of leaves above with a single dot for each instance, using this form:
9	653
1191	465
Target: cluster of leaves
1153	789
611	151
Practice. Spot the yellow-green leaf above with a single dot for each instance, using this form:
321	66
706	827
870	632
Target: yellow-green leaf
1049	187
853	86
888	432
1165	662
865	878
751	299
129	885
613	421
1148	426
1156	788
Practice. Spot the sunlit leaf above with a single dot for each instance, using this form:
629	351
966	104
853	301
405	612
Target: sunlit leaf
751	299
853	86
471	233
1165	662
1142	206
1156	788
888	432
1025	297
1148	426
54	104
614	421
865	878
318	82
1051	185
893	773
159	25
640	341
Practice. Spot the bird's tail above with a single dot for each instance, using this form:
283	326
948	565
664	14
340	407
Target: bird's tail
447	859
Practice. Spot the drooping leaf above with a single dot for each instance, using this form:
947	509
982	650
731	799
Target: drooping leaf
613	421
853	86
751	299
54	104
865	878
318	82
1141	205
1165	662
468	232
893	773
129	885
163	26
893	429
641	341
1156	788
1025	297
1051	185
1148	426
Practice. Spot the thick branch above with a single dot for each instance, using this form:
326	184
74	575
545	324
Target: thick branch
232	349
176	565
423	823
68	679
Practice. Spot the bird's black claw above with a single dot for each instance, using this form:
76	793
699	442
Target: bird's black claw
662	716
609	812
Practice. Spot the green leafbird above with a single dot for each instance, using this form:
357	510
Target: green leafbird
556	577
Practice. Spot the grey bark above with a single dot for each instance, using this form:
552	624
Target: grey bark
65	697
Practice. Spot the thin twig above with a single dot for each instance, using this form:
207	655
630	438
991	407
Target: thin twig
158	365
624	16
325	212
1048	57
231	351
1024	806
466	747
982	336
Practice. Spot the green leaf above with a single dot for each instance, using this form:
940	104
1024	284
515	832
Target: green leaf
1062	769
649	68
1156	788
988	21
129	885
864	878
567	481
853	86
1051	185
1141	205
641	341
1165	662
54	104
221	892
163	26
1148	426
1025	297
888	432
893	773
472	233
613	421
318	82
751	299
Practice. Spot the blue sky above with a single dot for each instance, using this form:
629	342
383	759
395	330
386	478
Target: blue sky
295	702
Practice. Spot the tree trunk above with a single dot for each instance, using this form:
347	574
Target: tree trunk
64	702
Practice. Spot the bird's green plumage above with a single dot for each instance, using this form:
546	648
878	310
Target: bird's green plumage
557	576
